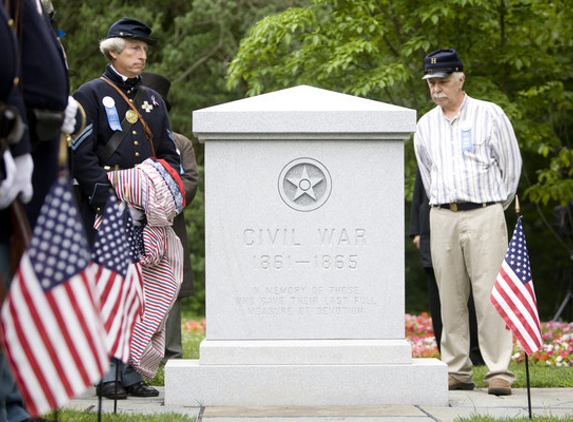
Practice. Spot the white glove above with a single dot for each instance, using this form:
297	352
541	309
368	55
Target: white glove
18	179
137	215
70	118
6	194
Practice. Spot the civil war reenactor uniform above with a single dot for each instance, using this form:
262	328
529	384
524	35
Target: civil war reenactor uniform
126	124
44	85
34	89
12	144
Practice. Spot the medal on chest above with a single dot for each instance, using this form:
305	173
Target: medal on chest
131	116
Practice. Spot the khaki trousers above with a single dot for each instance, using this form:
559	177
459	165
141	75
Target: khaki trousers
469	247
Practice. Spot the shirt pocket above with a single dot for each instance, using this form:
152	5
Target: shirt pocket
475	146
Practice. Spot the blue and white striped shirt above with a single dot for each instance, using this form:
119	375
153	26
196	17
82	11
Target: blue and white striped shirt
473	158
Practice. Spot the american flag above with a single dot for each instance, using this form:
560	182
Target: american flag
513	295
53	333
118	280
136	249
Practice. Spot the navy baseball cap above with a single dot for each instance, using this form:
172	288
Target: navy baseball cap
442	63
132	29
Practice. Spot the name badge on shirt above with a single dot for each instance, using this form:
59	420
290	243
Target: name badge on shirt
111	112
466	137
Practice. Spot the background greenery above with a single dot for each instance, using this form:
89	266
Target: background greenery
517	53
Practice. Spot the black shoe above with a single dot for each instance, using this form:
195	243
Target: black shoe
141	389
108	390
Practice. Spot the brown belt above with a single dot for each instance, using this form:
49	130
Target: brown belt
463	206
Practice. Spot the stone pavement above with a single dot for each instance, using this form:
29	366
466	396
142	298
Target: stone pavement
544	402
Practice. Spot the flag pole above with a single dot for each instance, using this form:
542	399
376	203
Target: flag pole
528	387
518	213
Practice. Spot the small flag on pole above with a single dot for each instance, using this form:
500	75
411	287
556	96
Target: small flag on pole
53	333
118	280
136	250
513	295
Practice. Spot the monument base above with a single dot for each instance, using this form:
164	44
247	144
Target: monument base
316	373
305	352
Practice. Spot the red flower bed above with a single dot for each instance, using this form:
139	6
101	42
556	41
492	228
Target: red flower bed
557	346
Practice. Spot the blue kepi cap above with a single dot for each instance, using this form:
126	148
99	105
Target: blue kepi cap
442	63
131	29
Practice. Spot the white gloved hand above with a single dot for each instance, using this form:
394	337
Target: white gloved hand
137	215
18	179
70	117
6	194
24	170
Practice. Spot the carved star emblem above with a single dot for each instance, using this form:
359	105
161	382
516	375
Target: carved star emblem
304	184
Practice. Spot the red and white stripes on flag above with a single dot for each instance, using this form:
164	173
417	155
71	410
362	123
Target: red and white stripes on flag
118	280
53	333
513	295
155	188
161	287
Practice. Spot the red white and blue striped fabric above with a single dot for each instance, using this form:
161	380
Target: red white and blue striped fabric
152	188
53	334
160	290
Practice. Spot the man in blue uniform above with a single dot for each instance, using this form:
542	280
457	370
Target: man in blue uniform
13	145
45	86
39	90
126	124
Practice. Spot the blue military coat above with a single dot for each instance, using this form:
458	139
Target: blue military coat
44	85
105	110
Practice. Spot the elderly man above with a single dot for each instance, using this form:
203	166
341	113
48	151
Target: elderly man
126	124
470	164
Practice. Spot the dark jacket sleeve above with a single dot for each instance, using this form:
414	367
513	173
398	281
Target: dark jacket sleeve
190	174
86	168
420	220
417	201
9	93
190	178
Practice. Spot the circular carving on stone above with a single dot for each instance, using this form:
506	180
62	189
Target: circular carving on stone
304	184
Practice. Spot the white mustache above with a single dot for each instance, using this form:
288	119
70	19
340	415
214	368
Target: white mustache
438	96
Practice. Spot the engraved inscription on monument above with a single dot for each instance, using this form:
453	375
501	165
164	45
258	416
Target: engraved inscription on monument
304	184
276	252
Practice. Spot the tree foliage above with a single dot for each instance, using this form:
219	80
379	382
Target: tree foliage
517	53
